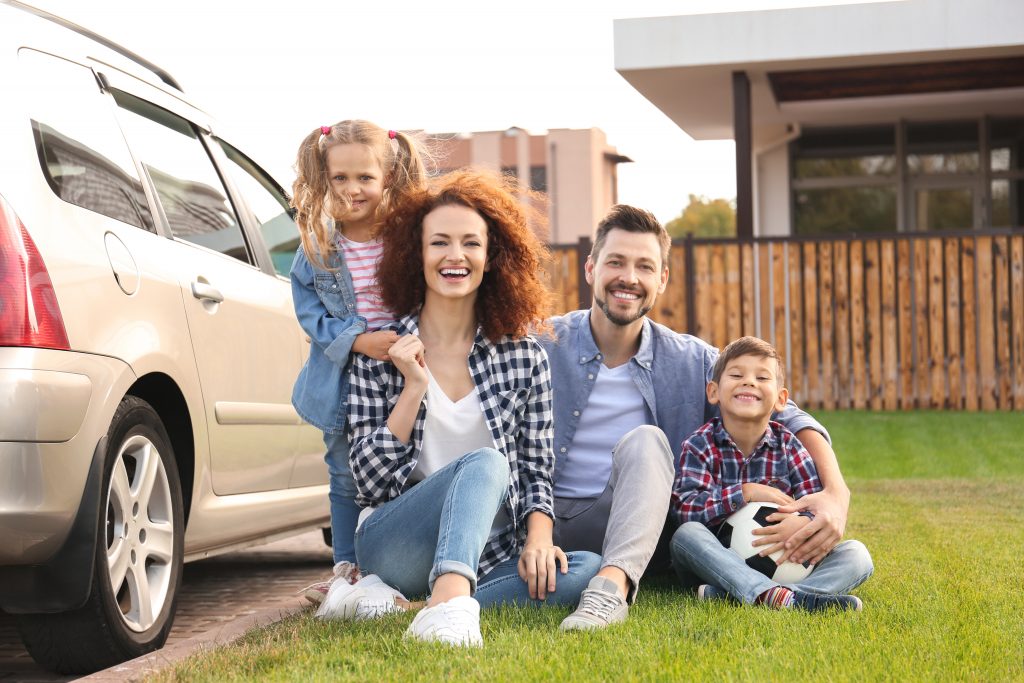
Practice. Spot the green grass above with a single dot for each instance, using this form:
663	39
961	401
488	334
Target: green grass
937	498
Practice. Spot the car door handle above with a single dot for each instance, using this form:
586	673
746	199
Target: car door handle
202	290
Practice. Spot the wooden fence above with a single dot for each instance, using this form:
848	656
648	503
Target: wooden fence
897	322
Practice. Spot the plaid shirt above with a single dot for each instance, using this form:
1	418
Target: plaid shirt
513	382
712	471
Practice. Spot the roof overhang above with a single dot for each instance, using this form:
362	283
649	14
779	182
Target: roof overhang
922	59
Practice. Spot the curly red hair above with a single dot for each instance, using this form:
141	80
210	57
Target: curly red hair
512	298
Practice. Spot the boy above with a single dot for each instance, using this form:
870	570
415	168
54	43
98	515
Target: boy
744	457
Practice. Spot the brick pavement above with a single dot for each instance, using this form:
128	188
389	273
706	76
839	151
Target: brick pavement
221	598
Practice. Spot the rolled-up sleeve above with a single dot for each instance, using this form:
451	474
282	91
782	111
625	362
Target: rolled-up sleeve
536	441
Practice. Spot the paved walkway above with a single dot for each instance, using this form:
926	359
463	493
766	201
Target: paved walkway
221	598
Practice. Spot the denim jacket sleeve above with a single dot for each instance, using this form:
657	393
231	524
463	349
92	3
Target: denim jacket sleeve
333	335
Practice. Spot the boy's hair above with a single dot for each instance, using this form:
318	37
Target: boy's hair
512	296
631	219
401	158
748	346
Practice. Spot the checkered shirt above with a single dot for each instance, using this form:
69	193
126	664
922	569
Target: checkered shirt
712	471
513	383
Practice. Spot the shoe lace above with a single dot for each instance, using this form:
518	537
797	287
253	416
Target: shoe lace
599	603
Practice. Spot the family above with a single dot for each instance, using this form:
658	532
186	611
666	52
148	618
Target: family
481	455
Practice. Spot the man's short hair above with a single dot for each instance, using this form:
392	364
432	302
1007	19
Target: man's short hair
748	346
631	219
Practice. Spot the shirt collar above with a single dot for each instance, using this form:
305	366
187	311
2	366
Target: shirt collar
770	438
588	347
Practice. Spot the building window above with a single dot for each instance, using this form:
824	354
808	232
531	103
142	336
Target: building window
912	176
539	178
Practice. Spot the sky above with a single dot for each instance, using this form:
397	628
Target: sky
269	73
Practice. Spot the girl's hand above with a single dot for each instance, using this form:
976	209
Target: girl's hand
537	568
375	344
407	355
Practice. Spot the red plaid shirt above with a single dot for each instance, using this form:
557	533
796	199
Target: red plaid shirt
712	471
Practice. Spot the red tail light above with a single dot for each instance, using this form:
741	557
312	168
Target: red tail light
29	315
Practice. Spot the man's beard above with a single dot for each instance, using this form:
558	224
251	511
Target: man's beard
619	320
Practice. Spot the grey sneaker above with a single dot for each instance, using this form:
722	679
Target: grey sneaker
600	605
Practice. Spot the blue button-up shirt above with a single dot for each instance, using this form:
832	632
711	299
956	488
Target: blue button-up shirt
671	371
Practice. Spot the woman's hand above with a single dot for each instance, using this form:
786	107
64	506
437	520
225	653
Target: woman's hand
407	355
375	344
537	567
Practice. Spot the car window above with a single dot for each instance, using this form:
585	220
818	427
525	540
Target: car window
189	187
269	204
81	150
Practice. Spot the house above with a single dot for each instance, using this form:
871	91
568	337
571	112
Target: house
902	116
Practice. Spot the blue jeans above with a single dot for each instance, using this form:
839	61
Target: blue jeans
504	586
441	526
697	554
344	510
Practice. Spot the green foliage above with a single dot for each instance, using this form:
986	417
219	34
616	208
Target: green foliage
705	217
937	499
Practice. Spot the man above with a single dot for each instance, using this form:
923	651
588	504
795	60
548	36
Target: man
627	393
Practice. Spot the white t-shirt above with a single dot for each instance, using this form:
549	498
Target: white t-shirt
614	408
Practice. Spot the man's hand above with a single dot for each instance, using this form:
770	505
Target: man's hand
762	493
816	540
375	344
774	537
537	568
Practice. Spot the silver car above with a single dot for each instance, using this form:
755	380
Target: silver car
148	347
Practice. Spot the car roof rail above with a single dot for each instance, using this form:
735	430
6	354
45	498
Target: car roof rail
106	42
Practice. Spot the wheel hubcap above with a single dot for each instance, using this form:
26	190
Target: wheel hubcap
139	533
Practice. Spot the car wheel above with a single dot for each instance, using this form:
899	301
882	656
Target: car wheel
137	571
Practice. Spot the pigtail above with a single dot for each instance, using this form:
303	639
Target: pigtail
310	191
408	172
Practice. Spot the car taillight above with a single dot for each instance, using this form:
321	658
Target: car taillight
29	315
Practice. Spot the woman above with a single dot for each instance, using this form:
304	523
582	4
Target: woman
452	439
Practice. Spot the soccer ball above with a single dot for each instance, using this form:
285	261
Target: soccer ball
736	534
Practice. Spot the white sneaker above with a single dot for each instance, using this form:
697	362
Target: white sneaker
368	598
345	571
455	622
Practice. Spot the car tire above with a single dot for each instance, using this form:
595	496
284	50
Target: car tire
138	561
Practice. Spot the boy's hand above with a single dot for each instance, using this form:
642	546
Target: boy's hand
774	537
761	493
375	344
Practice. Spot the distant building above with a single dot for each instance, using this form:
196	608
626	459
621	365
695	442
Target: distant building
576	169
900	116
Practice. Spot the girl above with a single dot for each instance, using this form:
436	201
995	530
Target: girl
452	440
348	176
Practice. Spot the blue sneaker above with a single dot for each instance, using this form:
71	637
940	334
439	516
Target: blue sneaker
708	592
818	602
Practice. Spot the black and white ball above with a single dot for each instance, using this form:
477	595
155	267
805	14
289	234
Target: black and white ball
737	533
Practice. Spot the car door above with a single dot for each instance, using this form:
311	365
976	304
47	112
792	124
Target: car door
240	318
267	207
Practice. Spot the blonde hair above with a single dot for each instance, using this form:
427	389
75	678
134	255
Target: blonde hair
401	157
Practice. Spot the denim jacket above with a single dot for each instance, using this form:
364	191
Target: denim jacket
325	304
670	370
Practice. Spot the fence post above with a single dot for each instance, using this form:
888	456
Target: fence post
582	252
690	284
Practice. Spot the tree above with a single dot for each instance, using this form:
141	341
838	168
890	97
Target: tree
705	217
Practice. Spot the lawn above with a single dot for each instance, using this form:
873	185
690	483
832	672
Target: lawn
937	499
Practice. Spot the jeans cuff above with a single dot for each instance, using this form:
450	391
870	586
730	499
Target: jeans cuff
452	567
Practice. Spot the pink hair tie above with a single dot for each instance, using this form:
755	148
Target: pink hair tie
392	135
325	130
